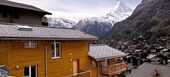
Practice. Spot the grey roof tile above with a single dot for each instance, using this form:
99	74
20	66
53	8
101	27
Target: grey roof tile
100	52
11	32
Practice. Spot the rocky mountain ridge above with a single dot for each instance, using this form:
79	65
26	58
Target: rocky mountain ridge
151	19
100	26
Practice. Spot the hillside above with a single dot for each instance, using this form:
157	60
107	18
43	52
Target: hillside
151	19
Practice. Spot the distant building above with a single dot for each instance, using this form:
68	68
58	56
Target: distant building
12	12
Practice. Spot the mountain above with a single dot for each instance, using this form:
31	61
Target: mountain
95	26
119	12
151	19
60	22
99	26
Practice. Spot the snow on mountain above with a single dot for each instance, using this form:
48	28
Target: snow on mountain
94	26
99	26
60	22
120	12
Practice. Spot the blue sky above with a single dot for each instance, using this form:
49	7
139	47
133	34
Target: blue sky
77	9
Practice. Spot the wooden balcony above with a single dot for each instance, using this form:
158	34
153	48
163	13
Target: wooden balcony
81	74
114	69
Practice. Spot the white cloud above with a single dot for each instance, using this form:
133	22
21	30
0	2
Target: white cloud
72	16
77	15
74	9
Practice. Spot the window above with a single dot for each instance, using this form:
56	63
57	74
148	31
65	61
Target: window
105	63
30	71
4	15
16	16
56	51
93	64
26	71
30	44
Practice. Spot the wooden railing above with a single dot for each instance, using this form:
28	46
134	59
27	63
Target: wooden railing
81	74
114	69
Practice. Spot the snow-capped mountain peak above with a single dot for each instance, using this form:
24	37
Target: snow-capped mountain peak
98	26
121	7
120	11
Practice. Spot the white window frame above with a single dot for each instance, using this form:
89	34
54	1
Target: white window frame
36	70
55	50
30	44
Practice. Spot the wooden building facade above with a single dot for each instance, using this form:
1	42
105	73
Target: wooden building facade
20	59
29	52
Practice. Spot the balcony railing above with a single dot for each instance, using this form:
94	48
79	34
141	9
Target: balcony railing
81	74
114	69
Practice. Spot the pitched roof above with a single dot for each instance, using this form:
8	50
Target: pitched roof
10	32
22	6
148	70
100	52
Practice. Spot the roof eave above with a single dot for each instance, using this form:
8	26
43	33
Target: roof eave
44	38
47	13
44	12
111	57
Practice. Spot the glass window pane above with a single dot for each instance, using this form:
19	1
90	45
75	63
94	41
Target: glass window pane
30	44
57	50
33	71
26	71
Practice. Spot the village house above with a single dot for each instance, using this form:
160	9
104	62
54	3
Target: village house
30	50
12	12
41	52
107	60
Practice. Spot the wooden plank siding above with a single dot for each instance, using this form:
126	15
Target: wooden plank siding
100	69
115	69
4	55
13	53
109	70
